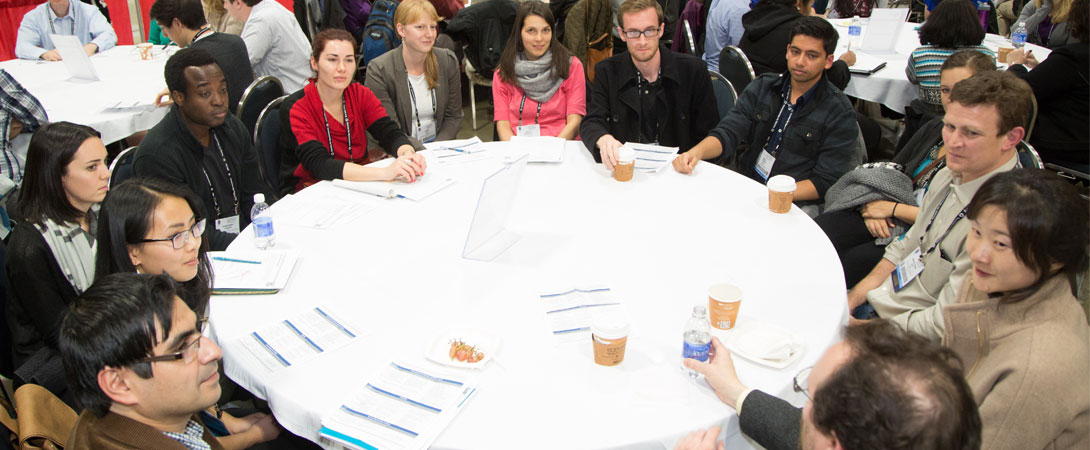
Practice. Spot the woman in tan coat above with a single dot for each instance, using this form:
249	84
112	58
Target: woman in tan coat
1017	326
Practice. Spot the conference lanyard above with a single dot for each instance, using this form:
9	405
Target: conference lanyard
434	111
960	216
54	30
790	112
198	35
230	179
347	128
523	105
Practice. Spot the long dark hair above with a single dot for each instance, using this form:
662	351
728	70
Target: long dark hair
953	24
1046	218
52	148
847	8
561	56
125	220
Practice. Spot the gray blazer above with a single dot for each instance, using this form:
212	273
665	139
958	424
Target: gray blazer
387	78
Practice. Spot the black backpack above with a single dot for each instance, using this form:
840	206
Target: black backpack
379	35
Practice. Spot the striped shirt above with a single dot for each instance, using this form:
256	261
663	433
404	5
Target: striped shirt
924	66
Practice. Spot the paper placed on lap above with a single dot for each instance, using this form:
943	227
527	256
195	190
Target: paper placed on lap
652	158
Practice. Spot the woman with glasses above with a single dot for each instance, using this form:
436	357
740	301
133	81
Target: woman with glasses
152	226
539	88
51	251
1019	330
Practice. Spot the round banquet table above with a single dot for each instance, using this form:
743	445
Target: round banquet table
890	86
658	241
124	77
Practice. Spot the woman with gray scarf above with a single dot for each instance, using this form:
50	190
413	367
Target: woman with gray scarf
539	88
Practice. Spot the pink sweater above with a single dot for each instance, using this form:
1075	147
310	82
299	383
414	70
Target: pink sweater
571	98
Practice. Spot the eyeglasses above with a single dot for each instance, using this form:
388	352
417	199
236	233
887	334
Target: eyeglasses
802	382
187	354
181	238
633	34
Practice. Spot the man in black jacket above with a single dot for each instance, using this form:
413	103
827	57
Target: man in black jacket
797	124
853	401
648	94
203	146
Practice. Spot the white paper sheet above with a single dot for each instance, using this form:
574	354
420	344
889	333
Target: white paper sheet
652	158
268	269
568	312
424	186
295	340
74	57
321	213
883	30
547	149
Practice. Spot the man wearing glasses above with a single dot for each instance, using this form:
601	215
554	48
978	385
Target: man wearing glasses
880	387
139	366
648	94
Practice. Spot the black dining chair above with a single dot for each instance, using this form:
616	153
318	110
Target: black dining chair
121	167
725	96
734	65
267	140
255	98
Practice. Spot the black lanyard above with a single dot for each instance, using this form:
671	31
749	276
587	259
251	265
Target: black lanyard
198	35
347	128
230	179
935	215
412	93
790	112
523	105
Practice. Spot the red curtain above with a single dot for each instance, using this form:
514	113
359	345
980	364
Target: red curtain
11	15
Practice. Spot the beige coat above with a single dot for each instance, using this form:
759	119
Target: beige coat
388	79
1028	364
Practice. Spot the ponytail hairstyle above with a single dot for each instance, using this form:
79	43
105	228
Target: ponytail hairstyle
410	11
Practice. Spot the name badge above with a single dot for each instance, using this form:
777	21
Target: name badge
764	164
529	130
426	132
907	270
228	224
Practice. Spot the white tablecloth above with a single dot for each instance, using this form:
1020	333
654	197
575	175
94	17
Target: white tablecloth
890	86
659	242
124	77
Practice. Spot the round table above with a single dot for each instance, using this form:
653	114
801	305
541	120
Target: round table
658	241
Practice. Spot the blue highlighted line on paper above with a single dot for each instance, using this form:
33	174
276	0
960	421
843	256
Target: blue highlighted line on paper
302	336
271	350
580	306
404	399
334	322
379	421
569	291
426	376
568	313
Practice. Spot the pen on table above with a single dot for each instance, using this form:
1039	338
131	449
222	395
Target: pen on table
243	261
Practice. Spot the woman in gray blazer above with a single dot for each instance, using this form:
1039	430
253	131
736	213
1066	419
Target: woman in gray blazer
416	82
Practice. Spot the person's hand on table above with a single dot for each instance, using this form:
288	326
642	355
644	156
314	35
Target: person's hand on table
90	49
878	228
701	440
1022	56
686	162
415	159
719	372
15	129
607	146
52	55
403	168
848	57
159	98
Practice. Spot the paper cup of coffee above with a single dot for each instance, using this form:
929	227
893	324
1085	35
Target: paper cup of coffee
781	190
609	331
626	164
1002	53
724	299
145	50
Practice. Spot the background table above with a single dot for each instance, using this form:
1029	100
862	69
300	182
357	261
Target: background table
659	242
890	86
124	77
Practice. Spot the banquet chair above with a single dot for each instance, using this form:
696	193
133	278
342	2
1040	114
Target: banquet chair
475	79
267	140
734	65
255	98
725	96
1027	155
121	167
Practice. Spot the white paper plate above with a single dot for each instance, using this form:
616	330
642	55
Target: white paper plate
439	351
742	338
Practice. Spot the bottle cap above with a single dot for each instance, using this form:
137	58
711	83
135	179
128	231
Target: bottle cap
259	198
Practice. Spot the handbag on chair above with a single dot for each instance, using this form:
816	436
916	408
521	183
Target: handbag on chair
42	420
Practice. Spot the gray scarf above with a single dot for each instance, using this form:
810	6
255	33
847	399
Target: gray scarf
536	77
73	249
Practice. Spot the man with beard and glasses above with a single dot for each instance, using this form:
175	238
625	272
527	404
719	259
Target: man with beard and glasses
795	124
879	388
648	94
202	145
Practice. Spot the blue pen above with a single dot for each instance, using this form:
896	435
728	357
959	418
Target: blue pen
243	261
569	291
379	421
571	330
580	306
403	398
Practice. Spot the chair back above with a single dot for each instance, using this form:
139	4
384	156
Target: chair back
1032	117
734	65
255	98
267	140
725	96
1028	156
121	167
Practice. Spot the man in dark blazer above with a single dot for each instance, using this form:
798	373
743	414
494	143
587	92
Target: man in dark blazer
915	392
648	94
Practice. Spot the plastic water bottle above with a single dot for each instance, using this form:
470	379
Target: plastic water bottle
982	7
855	33
264	234
698	340
1018	35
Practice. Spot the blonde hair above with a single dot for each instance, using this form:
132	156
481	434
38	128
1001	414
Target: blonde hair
410	11
1060	10
214	5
